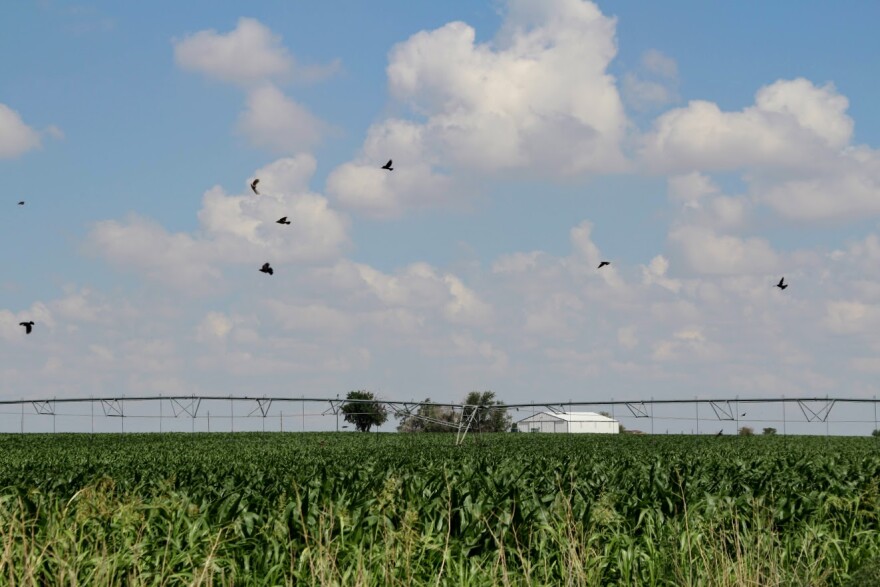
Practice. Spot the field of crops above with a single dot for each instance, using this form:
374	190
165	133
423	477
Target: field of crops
506	509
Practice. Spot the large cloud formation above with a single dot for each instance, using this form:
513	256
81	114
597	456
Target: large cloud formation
537	100
793	146
791	123
697	315
234	229
252	57
247	54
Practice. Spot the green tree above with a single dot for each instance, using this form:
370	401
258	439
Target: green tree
746	431
428	419
876	433
490	415
769	431
364	414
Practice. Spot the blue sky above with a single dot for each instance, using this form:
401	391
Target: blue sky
704	150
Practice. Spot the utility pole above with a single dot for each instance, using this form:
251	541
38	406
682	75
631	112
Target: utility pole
612	412
783	415
828	413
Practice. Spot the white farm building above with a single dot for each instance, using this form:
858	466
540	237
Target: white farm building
569	422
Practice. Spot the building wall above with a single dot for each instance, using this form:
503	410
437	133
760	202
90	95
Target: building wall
548	424
542	423
595	427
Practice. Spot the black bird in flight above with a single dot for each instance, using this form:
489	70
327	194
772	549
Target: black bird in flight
781	285
603	263
720	432
254	186
21	203
283	220
743	415
388	166
266	269
28	326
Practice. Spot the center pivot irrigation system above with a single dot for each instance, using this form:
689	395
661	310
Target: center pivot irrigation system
133	408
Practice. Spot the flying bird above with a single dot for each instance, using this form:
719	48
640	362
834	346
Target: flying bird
266	269
720	432
743	415
254	186
603	263
388	166
283	220
28	326
781	285
21	203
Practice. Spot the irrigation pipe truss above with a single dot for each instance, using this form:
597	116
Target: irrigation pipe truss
814	409
723	409
338	400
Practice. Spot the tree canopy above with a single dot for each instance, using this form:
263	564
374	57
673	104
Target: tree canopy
486	419
428	419
364	414
443	419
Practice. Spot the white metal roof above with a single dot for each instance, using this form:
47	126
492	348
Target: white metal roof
573	416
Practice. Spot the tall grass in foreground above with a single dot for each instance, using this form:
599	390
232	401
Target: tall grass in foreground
289	510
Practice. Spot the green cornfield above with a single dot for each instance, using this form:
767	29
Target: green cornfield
395	509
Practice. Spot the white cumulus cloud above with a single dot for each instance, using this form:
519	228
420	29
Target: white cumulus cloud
276	122
15	136
852	316
235	229
214	326
248	53
418	286
660	64
655	85
791	124
705	251
842	187
536	100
